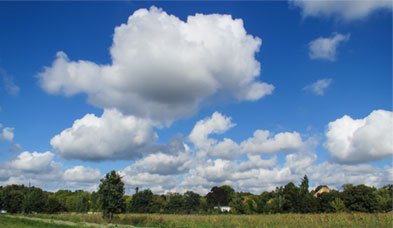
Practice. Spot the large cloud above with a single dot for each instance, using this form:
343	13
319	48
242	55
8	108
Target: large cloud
326	48
361	140
36	168
162	67
34	162
262	142
41	170
111	136
347	10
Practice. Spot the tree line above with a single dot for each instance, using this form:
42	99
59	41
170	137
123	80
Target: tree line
110	199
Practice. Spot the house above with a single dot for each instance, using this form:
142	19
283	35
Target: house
224	208
321	190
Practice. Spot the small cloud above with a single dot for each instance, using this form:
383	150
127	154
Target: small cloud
345	11
9	84
16	148
325	48
7	134
319	86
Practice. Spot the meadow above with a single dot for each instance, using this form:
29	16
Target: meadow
350	220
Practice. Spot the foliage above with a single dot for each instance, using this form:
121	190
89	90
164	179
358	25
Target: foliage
111	192
284	199
220	196
34	201
53	205
141	201
338	205
384	198
360	198
192	201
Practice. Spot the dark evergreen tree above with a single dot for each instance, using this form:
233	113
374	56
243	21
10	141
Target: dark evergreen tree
111	192
291	200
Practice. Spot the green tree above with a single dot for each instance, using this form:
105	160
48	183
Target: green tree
13	201
53	205
291	200
62	196
157	204
384	198
306	202
191	202
1	198
238	206
324	199
111	191
338	205
13	196
174	203
220	195
34	201
141	201
94	202
360	198
80	201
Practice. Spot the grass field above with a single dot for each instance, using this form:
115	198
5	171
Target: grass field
214	221
15	222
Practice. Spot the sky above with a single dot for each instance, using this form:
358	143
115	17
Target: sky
179	96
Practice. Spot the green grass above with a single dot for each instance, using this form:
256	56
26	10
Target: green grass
348	220
14	222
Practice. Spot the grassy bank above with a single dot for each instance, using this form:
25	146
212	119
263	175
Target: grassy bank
241	221
16	222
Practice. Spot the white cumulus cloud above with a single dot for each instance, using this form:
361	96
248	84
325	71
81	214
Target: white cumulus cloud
7	133
163	68
217	124
319	86
34	162
264	142
326	48
361	140
163	164
346	10
82	174
111	136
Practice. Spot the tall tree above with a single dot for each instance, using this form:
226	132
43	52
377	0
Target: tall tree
111	191
291	200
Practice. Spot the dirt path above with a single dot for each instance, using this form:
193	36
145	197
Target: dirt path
69	223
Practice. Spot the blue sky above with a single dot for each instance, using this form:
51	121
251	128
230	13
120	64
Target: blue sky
254	99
